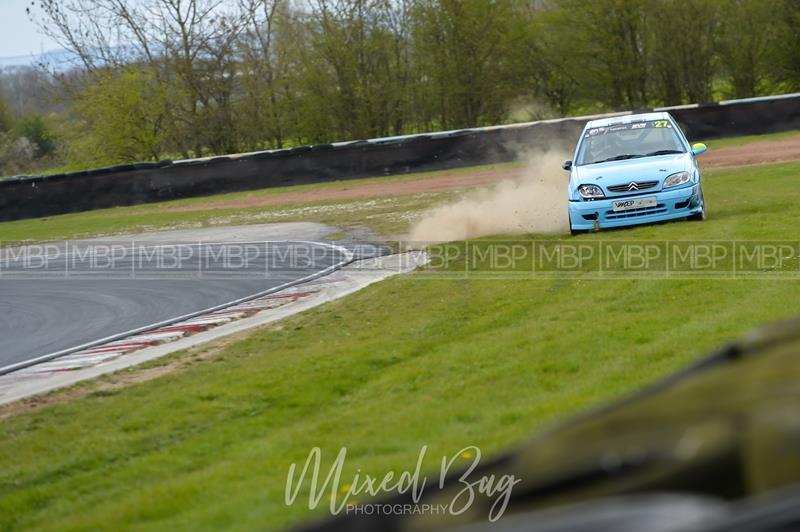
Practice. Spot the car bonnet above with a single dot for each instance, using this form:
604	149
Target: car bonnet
641	169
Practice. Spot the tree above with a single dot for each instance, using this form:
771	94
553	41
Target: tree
684	67
126	115
265	47
613	49
784	53
745	41
212	76
463	51
187	44
5	116
352	66
549	53
34	128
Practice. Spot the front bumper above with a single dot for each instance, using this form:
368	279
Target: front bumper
670	205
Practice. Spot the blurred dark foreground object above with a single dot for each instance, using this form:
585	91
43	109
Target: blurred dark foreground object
715	447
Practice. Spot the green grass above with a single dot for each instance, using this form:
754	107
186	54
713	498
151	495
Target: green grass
747	139
418	360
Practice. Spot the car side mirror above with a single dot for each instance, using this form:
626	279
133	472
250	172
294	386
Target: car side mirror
566	165
699	148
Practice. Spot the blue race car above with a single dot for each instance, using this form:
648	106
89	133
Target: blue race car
631	170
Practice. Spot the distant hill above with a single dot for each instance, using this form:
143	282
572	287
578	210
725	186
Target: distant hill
59	59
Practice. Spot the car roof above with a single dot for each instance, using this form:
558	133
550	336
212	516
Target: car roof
627	119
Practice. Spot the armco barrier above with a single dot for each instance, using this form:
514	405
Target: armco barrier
29	197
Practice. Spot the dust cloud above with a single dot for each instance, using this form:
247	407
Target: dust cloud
535	203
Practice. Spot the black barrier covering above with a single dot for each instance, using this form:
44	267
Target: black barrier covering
755	116
30	197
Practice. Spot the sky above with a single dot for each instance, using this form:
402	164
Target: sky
18	35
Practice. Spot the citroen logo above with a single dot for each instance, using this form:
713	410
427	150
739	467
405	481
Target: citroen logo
633	186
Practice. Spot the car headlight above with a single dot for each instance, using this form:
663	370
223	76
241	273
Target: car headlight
590	192
676	179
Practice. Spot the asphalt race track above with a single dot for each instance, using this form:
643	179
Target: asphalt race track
60	297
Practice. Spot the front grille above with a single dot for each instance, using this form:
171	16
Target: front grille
633	213
641	185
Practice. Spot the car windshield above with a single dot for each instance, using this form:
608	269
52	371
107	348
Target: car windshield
629	141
